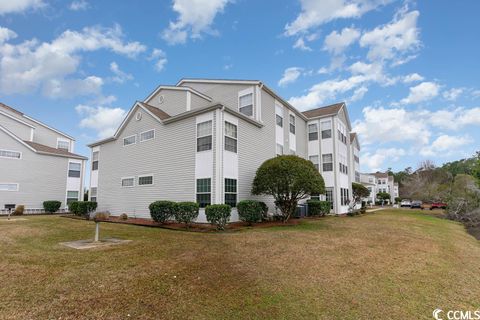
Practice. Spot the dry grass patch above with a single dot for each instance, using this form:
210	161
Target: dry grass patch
389	264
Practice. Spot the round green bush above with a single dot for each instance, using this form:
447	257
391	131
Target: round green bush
318	208
161	211
218	214
186	212
73	207
82	208
51	206
250	211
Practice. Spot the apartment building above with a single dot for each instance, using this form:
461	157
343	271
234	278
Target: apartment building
37	163
386	183
370	182
203	140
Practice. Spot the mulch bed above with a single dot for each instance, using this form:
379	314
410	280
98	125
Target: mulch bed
195	227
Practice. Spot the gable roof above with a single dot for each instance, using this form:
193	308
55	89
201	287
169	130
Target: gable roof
330	110
4	106
354	137
42	149
162	115
182	88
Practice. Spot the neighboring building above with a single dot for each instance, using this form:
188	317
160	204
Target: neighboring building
385	183
37	163
203	140
370	182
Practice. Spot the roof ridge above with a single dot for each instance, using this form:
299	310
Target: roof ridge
11	108
51	150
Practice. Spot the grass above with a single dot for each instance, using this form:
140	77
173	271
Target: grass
389	264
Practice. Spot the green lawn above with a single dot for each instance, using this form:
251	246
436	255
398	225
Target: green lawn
395	264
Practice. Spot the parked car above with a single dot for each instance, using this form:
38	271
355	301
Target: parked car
438	205
416	204
405	203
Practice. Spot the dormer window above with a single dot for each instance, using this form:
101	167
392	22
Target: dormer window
245	102
63	145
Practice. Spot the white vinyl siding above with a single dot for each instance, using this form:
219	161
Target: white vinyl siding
9	186
230	137
129	140
279	149
10	154
147	135
204	136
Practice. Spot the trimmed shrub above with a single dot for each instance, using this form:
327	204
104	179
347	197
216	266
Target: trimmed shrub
186	212
19	210
161	211
82	208
51	206
318	208
250	211
218	214
123	216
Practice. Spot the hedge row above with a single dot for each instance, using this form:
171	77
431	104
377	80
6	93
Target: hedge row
82	208
51	206
318	208
183	212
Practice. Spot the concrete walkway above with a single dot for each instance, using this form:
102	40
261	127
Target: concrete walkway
377	209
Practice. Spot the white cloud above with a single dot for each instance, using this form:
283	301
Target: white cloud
412	77
120	76
374	161
445	145
290	75
300	44
358	94
6	34
392	40
161	59
452	94
315	13
195	18
15	6
336	42
30	65
103	120
79	5
381	125
452	119
68	88
422	92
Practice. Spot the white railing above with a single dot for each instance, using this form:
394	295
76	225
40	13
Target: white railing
4	212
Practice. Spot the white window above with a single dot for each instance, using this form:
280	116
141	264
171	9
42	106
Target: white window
245	104
63	144
279	120
10	154
204	136
8	186
147	135
72	196
279	149
129	140
145	180
230	137
326	129
292	123
231	192
314	160
93	194
312	132
74	169
128	182
204	192
95	161
327	160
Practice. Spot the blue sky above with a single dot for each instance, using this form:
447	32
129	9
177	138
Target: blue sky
407	70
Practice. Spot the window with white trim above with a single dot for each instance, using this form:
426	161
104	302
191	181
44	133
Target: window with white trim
314	160
204	192
93	194
129	140
292	123
279	149
245	104
315	196
95	160
231	192
9	186
342	133
145	180
204	136
63	145
147	135
72	196
312	132
230	137
279	120
329	196
74	169
10	154
128	182
326	127
327	162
